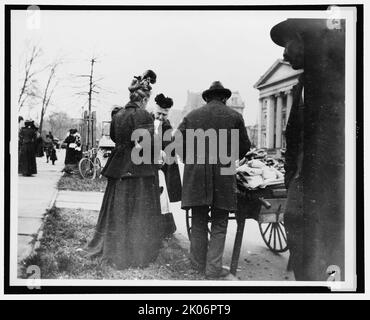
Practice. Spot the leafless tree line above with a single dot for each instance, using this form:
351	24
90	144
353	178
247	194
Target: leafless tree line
31	89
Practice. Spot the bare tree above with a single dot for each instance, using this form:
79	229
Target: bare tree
29	88
59	123
48	90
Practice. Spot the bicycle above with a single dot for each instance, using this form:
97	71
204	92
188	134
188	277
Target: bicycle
90	165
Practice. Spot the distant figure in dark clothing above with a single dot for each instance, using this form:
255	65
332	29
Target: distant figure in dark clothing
53	155
27	159
20	122
20	126
49	149
39	142
73	148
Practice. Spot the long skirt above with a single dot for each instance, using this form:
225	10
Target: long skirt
128	232
27	160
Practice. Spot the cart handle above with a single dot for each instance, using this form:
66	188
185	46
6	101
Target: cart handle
265	203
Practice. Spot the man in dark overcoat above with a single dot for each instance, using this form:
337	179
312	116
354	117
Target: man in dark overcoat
206	187
315	138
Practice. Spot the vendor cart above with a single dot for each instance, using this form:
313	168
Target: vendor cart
265	205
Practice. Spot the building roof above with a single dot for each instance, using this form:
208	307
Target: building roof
280	70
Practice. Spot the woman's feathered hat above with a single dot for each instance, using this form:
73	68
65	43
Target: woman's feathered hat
163	102
140	86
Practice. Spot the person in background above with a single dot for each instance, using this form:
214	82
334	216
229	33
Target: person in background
20	126
50	149
48	146
72	151
39	143
205	188
20	123
27	157
169	174
53	155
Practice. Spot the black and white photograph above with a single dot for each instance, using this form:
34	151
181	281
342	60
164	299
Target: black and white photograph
183	148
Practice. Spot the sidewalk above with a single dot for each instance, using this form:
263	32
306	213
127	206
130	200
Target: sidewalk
35	195
79	200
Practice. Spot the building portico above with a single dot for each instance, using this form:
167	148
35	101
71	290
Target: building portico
275	101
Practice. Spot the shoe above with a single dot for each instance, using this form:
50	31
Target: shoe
223	273
197	269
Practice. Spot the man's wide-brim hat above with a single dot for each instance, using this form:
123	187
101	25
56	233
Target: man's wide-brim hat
288	29
216	88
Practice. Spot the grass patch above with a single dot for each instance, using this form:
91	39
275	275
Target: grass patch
67	230
75	182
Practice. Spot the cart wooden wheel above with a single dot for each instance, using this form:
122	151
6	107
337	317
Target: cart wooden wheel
188	223
274	235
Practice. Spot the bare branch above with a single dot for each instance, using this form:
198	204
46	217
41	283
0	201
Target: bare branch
35	54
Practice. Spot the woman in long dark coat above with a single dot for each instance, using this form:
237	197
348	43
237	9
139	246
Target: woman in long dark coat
27	156
128	230
72	155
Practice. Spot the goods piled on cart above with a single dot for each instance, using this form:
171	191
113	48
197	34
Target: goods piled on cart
257	170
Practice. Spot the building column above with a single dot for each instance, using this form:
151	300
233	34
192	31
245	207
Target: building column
270	122
279	108
259	122
289	103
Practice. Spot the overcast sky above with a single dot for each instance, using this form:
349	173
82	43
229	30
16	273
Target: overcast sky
188	50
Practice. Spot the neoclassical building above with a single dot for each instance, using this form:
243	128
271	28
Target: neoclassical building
275	101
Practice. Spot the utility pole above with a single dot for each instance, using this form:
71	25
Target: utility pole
89	115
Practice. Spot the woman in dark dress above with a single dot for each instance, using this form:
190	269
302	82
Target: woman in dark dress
39	142
128	230
20	126
73	147
48	146
50	149
27	157
53	155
